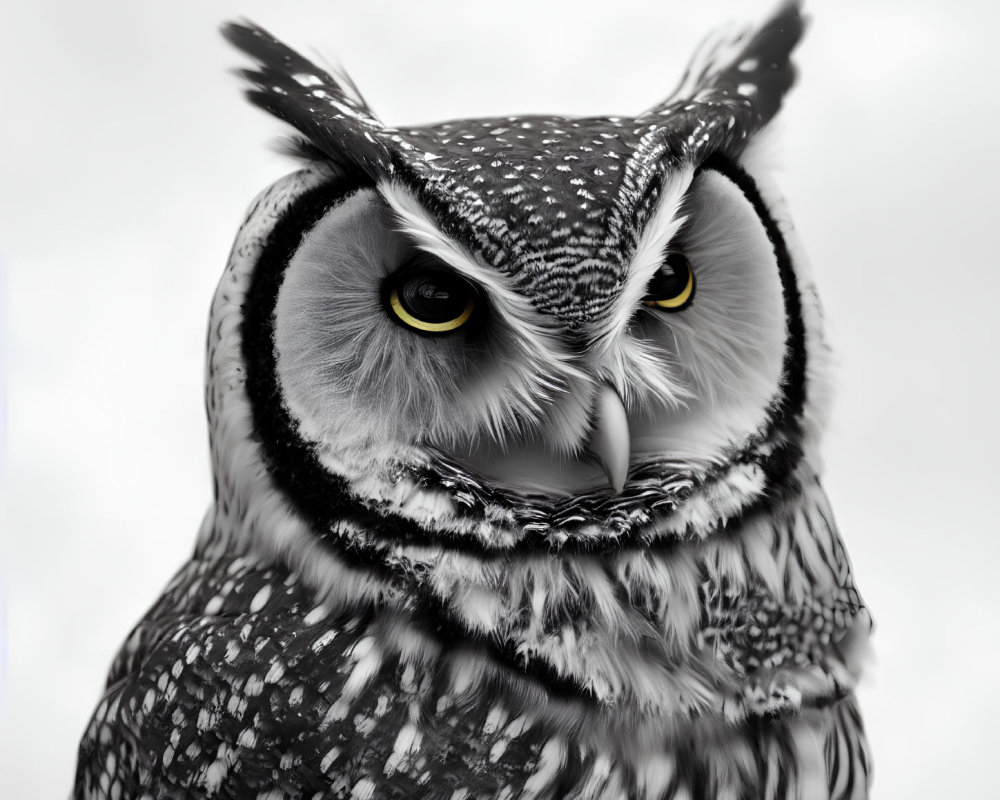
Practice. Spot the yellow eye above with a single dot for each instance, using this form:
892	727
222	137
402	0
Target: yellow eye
672	287
432	300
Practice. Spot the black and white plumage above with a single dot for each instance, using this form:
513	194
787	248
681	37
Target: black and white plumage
514	426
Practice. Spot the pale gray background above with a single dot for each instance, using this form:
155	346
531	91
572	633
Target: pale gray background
128	160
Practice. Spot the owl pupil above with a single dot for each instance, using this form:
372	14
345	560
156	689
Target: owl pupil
671	278
672	287
434	296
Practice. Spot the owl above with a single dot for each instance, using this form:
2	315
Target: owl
514	426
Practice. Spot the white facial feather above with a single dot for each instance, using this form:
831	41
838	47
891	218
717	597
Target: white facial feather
516	403
541	366
645	376
367	389
659	231
762	159
729	343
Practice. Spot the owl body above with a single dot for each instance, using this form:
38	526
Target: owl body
514	427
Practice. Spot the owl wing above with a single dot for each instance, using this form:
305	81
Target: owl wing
236	685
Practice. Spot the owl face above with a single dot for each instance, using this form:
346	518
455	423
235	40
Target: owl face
396	343
524	329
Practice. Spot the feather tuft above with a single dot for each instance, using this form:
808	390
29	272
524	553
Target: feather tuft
328	111
735	84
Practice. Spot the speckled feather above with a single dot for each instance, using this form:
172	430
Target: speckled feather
420	632
237	685
556	200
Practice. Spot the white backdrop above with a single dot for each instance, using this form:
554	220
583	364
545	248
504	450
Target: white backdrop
127	160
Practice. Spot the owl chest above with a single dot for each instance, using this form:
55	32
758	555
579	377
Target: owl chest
536	674
263	691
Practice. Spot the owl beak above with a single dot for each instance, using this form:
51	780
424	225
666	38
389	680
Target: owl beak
610	438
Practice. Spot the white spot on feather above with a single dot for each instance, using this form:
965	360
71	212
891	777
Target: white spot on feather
317	614
306	79
323	641
549	763
247	738
332	755
407	742
214	605
206	720
275	673
369	662
260	599
498	749
363	790
496	718
214	776
335	713
237	706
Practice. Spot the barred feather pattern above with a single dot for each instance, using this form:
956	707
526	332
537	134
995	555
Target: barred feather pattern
238	684
767	611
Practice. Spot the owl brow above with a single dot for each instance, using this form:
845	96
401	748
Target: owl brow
416	223
657	233
533	328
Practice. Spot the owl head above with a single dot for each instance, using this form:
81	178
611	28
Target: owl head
515	333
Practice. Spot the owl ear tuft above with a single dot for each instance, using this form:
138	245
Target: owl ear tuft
335	123
736	81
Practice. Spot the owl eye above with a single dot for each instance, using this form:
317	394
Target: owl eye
431	300
672	287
